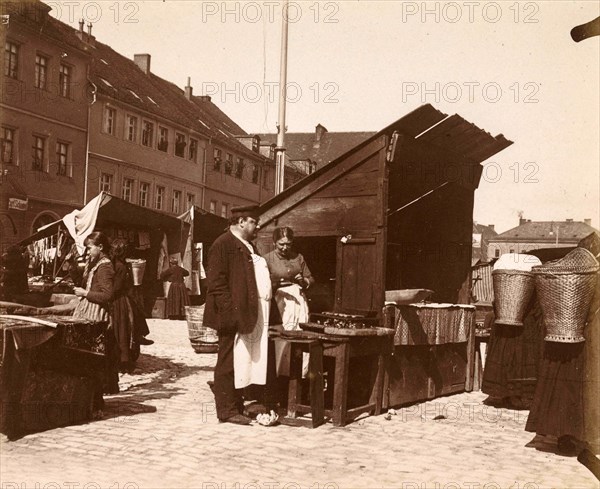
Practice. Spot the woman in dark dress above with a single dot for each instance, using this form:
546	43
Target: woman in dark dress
566	398
94	305
178	297
511	366
122	312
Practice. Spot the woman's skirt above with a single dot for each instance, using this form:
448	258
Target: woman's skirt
122	319
177	299
558	405
511	366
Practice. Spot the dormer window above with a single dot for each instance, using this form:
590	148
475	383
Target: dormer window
135	94
106	82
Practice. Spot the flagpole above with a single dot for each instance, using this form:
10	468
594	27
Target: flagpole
280	149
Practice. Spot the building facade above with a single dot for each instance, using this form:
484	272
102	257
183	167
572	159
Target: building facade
44	120
79	118
531	235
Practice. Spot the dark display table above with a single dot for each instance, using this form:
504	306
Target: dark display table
50	369
375	344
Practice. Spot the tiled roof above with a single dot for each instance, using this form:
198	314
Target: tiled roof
546	231
162	98
304	146
127	83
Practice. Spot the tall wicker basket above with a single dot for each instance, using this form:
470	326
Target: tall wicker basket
513	290
202	338
565	289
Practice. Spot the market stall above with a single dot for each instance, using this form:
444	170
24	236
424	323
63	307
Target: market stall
394	212
50	369
204	228
152	238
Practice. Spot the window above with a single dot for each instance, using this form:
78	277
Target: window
8	145
266	177
239	169
229	164
255	173
497	253
144	194
193	153
64	81
131	128
213	207
110	117
41	71
106	182
224	210
176	202
39	153
127	190
512	250
191	200
217	158
163	140
147	134
11	60
62	152
180	144
160	198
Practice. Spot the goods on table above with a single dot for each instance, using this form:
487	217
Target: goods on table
346	321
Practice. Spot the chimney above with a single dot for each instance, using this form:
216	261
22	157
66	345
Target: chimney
319	132
588	222
188	89
205	98
569	220
80	31
522	221
143	62
492	226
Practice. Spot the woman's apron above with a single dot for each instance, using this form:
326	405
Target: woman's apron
250	349
293	309
90	310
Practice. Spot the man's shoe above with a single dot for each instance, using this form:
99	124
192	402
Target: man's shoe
237	419
145	341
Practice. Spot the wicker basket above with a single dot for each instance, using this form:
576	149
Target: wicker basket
565	289
201	337
513	290
202	347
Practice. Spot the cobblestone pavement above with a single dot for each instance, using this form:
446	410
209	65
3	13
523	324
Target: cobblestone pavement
162	431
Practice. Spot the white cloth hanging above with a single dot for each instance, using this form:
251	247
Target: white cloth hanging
293	309
250	350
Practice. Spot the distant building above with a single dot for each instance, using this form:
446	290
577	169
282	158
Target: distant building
481	237
531	235
306	152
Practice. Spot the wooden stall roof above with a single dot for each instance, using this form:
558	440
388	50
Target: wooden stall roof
452	134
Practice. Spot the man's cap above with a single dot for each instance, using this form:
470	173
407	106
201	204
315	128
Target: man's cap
246	211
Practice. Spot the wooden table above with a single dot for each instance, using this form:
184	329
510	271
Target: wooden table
344	348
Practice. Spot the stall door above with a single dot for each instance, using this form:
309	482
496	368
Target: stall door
358	284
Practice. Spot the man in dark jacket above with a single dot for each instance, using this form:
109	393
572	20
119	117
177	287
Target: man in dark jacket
231	304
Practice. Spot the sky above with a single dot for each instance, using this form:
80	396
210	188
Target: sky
509	67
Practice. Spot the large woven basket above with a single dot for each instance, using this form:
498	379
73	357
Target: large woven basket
512	293
202	338
565	289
